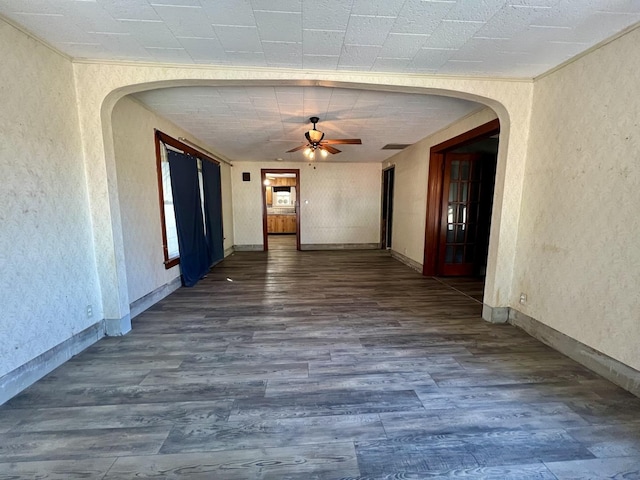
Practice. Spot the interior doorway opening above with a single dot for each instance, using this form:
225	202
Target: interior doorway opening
281	208
388	176
460	200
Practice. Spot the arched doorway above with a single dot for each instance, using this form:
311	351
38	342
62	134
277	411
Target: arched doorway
99	92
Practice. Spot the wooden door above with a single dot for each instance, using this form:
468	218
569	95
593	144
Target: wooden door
467	193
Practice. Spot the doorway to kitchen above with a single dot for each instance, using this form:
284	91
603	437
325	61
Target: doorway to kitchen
281	209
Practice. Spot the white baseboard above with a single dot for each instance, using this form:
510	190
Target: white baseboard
339	246
26	375
407	261
600	363
151	298
248	248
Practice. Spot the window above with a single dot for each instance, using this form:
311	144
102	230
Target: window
170	238
167	212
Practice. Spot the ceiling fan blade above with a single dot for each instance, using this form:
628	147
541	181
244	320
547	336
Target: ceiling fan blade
296	149
330	149
342	141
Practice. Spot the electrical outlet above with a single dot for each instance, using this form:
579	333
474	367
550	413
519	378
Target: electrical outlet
89	311
523	299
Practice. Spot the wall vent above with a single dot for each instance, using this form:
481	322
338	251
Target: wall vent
395	146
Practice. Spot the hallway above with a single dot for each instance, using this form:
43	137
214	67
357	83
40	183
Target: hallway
320	365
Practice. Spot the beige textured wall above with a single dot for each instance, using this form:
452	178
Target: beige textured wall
411	179
133	134
578	258
47	265
133	137
339	202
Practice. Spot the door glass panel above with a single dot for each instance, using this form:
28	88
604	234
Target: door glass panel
449	233
474	192
451	212
459	255
476	170
455	170
453	192
464	170
449	254
462	213
464	190
460	234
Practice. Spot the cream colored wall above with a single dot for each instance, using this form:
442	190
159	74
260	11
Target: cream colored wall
411	178
247	201
133	134
339	202
47	265
578	258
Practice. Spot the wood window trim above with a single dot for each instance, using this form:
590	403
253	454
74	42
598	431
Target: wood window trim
434	189
161	137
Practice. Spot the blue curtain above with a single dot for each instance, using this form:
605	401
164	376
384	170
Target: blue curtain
213	210
194	250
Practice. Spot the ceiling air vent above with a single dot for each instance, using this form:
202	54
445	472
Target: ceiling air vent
395	146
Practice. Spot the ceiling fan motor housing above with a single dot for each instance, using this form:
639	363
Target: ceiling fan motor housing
314	136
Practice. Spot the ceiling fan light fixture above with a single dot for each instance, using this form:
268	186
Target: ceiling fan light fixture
315	135
315	142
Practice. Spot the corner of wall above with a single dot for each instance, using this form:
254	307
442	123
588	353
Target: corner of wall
495	314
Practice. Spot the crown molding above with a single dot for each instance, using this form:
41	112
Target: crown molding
588	51
32	36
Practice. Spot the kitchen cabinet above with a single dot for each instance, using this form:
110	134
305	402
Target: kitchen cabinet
282	182
281	224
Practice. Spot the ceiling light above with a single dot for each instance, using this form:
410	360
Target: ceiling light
315	135
324	153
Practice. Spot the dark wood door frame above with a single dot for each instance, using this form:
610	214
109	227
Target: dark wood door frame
434	189
388	180
263	177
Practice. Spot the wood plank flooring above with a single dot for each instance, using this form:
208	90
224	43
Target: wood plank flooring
320	365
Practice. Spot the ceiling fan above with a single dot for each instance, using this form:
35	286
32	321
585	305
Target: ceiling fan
316	142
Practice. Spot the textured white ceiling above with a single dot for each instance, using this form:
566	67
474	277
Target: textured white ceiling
262	123
494	38
512	38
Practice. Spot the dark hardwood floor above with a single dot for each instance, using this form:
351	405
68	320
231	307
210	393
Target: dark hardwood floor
320	365
282	241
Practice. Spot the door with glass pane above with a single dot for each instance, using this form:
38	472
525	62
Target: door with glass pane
467	193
